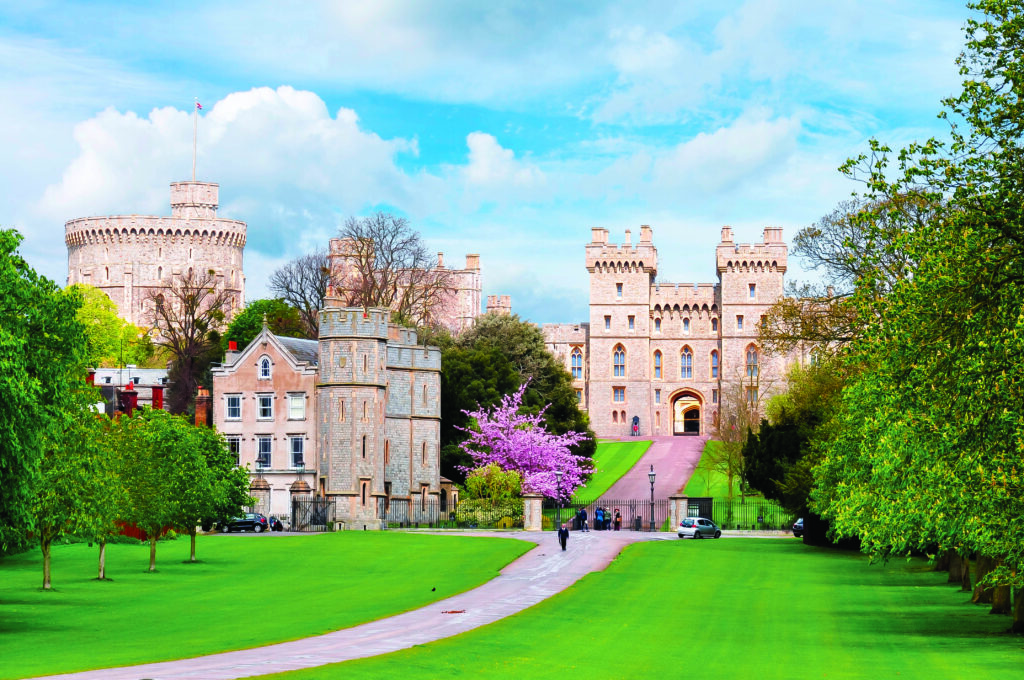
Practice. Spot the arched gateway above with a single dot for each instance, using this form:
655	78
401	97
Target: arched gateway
686	409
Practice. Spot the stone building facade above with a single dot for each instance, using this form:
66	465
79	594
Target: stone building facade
130	257
354	417
665	356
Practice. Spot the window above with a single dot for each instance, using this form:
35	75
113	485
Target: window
686	325
366	363
714	363
686	363
622	416
364	446
579	396
234	407
387	452
657	365
265	368
714	325
657	325
423	453
424	395
264	445
235	447
607	323
632	322
297	406
752	362
739	322
615	416
363	487
619	361
714	396
752	396
619	394
577	363
753	289
657	396
297	448
341	410
265	403
618	290
657	419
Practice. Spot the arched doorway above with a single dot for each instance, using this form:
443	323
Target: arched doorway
686	414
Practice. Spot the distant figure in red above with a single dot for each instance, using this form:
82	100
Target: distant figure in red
618	520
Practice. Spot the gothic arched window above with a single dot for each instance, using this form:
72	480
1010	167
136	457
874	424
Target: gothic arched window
686	363
657	364
265	368
714	363
577	363
752	361
619	362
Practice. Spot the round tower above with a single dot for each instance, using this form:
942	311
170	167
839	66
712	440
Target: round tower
132	257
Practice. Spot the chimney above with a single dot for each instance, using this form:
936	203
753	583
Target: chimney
726	234
628	238
204	404
128	400
440	260
158	398
599	235
772	235
645	233
90	378
473	262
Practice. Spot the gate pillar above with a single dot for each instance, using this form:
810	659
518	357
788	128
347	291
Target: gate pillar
678	509
533	517
260	490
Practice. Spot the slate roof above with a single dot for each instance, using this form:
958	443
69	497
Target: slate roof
301	349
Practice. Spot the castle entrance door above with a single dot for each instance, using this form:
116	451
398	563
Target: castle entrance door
686	414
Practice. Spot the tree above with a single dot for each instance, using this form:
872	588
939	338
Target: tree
549	385
281	319
302	283
493	484
42	363
519	442
112	341
383	262
189	318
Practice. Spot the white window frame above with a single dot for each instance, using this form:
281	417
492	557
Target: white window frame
265	368
235	446
228	398
301	441
260	440
259	406
300	399
619	395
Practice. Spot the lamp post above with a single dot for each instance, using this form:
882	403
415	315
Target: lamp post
650	476
558	508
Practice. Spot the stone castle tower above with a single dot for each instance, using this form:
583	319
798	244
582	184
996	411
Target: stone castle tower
129	257
665	355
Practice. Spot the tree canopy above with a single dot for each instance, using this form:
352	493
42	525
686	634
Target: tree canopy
281	318
112	341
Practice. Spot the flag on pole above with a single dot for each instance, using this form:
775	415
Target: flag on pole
199	107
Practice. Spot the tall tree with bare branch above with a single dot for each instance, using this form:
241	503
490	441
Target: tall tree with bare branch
302	283
383	262
189	315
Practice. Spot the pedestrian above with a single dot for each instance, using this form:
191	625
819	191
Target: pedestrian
598	518
618	520
583	519
607	519
563	536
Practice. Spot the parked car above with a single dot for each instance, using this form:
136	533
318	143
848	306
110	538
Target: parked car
275	524
798	527
250	521
698	527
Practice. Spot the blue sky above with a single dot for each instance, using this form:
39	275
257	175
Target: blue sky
507	129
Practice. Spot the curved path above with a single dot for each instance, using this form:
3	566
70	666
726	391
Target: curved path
534	577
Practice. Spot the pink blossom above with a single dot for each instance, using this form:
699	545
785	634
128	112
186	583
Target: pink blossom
520	442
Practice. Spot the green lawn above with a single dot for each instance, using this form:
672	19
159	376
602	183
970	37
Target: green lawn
250	590
708	482
611	461
732	608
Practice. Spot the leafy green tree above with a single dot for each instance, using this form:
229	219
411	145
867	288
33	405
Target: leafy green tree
112	341
42	362
493	484
281	318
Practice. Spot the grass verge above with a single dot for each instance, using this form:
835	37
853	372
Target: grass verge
249	590
611	461
732	608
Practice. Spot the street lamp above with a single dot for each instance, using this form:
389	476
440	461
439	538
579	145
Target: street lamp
558	508
650	476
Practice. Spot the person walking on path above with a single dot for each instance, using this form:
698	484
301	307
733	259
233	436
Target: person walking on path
563	536
583	519
618	520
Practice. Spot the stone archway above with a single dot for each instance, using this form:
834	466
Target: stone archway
686	413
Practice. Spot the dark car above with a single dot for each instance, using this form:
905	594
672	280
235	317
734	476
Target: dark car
275	524
798	527
250	521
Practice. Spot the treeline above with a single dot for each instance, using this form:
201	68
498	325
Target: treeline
908	433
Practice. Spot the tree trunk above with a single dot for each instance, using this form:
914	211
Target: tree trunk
965	573
152	552
982	567
1000	600
942	563
1018	611
192	533
44	545
103	561
955	566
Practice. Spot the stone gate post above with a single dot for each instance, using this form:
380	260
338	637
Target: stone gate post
533	517
678	509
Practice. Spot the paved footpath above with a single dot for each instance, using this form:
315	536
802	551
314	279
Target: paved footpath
674	460
534	577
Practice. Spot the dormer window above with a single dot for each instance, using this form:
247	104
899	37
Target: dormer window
265	368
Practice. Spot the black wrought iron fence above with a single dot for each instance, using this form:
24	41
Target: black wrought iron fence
751	515
633	514
433	514
312	513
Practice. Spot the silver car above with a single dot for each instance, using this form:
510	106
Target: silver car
698	527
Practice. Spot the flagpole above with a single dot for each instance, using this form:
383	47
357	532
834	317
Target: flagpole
195	128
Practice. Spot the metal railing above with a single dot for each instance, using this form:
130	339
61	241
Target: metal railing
433	514
634	514
312	513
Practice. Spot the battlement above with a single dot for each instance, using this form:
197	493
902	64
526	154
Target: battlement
194	199
215	231
354	322
499	304
602	256
686	296
769	255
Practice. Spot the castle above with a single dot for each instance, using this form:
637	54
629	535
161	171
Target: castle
664	356
132	258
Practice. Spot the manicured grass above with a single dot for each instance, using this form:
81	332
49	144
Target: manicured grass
250	590
732	608
708	482
611	461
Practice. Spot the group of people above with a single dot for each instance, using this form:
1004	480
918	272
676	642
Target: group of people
603	519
